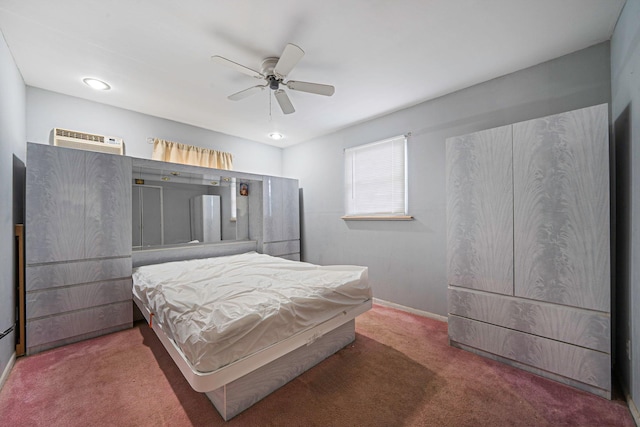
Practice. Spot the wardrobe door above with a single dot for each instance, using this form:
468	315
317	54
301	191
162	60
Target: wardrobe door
107	205
480	211
54	204
281	217
281	209
561	208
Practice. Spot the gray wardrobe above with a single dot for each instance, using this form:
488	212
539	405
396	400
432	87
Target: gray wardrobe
528	246
78	245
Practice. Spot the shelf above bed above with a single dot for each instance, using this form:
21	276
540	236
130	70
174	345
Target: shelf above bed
146	256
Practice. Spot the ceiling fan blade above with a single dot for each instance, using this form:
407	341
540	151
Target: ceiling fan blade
284	101
289	58
246	93
229	63
326	90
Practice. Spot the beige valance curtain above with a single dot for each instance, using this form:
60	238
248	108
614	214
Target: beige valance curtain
175	152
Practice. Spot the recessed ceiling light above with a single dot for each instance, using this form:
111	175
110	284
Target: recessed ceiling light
276	135
96	84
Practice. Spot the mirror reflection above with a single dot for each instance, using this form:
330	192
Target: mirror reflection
173	208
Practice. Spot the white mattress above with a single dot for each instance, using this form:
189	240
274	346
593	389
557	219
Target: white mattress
219	310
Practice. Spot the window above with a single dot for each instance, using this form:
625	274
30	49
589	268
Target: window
376	180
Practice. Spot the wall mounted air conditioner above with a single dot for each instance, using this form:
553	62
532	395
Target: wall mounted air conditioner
87	141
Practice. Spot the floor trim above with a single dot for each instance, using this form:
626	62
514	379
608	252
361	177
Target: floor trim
410	310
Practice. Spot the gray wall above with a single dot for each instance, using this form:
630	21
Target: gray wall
12	146
407	260
47	110
625	109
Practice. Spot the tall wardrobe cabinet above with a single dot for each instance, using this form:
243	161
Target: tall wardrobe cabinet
528	246
78	245
274	217
281	217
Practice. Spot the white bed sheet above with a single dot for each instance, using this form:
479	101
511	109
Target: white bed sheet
219	310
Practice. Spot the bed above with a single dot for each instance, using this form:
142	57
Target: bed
240	326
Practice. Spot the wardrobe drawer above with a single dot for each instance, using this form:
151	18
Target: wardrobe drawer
584	328
78	323
71	273
577	363
71	298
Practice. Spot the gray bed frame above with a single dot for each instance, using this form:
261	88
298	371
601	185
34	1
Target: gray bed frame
235	387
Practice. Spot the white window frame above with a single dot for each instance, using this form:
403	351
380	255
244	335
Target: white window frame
354	163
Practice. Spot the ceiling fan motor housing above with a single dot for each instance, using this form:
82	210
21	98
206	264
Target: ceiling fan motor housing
267	70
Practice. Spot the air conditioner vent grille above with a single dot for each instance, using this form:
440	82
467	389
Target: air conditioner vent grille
86	141
79	135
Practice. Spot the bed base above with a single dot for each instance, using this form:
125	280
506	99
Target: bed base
235	387
238	395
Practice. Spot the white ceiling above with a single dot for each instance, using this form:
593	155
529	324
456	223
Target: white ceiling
381	55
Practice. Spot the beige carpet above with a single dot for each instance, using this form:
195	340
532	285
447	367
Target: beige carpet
400	371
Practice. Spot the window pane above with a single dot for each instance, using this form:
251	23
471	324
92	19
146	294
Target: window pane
375	178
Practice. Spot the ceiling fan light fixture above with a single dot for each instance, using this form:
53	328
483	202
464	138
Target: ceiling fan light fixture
276	136
96	84
274	83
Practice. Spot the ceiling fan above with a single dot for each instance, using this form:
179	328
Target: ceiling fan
274	71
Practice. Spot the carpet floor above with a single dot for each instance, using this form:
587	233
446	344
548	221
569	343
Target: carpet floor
400	371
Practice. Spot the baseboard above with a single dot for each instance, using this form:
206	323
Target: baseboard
410	310
7	370
632	407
